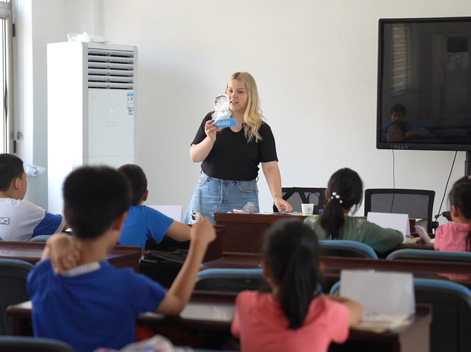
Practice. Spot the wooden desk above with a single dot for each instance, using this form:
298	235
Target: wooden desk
246	232
208	317
164	270
31	252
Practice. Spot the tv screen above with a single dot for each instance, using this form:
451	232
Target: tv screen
424	84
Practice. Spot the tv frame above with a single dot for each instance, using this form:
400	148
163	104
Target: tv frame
380	144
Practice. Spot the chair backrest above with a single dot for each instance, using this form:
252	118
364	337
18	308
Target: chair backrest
345	248
429	255
230	280
40	238
417	203
299	195
451	313
13	276
29	343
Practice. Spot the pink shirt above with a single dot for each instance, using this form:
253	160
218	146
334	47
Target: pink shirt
261	325
451	237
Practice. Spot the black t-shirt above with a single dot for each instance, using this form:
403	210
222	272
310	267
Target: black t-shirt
232	157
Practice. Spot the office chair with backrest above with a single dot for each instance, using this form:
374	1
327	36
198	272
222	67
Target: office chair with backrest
13	276
345	248
299	195
451	313
417	203
230	280
32	344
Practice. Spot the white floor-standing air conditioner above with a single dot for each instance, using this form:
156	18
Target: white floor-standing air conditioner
92	109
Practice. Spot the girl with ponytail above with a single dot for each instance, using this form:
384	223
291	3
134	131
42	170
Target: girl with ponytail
456	236
344	195
295	316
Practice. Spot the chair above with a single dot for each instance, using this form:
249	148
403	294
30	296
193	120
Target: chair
345	248
451	312
13	275
299	195
230	280
418	204
36	344
429	255
40	238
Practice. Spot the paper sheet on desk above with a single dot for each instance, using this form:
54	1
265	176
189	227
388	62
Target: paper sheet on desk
398	222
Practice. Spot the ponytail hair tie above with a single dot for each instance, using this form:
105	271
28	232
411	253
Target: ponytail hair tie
336	196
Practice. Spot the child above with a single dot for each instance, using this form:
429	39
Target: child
20	220
456	236
144	223
398	113
96	305
294	317
344	193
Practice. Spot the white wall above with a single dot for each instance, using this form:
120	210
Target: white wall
315	63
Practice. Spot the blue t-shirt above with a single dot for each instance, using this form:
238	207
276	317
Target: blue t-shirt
94	305
144	223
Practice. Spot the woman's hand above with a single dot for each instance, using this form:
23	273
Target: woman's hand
282	205
211	130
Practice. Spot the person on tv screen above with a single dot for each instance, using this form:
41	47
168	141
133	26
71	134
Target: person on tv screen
396	132
398	113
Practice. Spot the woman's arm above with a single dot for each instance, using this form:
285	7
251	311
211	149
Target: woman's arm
272	174
199	152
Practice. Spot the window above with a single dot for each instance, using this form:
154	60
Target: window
401	58
6	72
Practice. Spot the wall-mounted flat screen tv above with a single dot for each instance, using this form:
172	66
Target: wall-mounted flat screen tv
424	84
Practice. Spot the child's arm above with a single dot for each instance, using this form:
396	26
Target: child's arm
61	249
179	231
202	233
354	308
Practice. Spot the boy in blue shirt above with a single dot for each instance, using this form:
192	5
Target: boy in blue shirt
20	220
94	304
144	223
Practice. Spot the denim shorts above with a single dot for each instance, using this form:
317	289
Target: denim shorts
213	195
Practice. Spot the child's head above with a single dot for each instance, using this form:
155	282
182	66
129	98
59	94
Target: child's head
344	192
291	256
460	201
137	180
94	197
398	112
460	196
396	132
12	174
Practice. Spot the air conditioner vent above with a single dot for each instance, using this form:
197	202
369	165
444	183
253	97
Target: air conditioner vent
110	69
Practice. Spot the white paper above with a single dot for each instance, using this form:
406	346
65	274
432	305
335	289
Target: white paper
398	222
379	291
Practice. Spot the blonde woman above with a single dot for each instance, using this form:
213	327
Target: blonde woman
230	156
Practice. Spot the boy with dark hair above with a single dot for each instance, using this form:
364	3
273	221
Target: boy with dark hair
144	223
20	220
94	304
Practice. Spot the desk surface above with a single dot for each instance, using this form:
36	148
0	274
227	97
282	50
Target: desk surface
211	314
31	252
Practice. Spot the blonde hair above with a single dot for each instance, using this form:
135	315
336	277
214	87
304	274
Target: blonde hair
253	114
